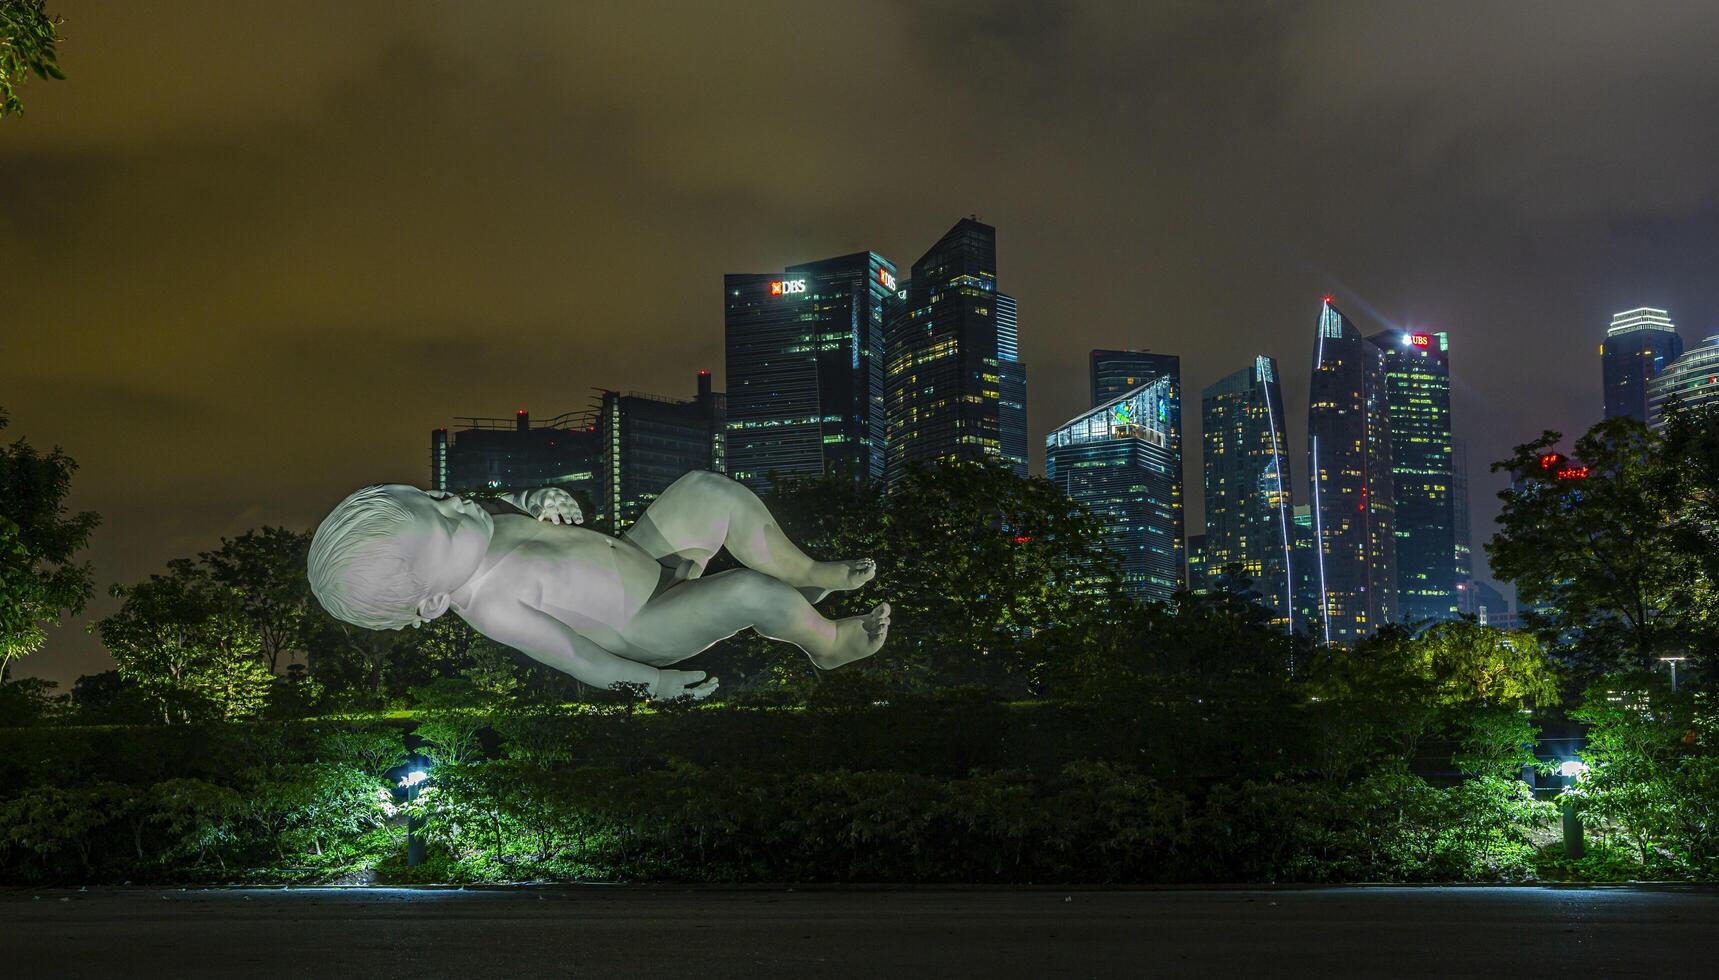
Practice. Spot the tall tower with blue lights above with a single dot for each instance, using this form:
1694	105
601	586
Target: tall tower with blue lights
1349	476
1249	516
954	382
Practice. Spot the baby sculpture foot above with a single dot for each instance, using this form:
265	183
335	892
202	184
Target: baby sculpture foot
837	576
857	638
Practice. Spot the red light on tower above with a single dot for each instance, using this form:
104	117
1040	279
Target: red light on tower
1327	299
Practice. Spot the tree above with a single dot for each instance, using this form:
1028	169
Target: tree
265	569
1446	664
972	558
27	47
182	639
1597	543
39	581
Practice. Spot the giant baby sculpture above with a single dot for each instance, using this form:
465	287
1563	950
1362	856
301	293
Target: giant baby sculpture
605	610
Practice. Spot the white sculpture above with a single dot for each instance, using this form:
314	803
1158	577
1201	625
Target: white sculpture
605	610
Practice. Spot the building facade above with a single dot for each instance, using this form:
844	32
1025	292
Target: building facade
1640	343
1116	372
504	455
1692	380
1249	515
804	352
1465	602
649	441
1423	474
1117	461
1349	475
947	345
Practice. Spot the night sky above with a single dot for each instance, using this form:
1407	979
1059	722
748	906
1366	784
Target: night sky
251	254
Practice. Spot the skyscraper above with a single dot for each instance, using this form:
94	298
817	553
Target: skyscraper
512	454
1464	528
953	359
1349	472
805	369
1249	516
1012	392
650	441
1693	380
1115	372
1423	478
1639	344
1116	460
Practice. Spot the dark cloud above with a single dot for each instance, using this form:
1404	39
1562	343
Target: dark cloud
253	253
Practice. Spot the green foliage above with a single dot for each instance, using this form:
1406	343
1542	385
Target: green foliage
1620	559
1653	783
265	569
972	558
185	642
27	47
1450	663
39	581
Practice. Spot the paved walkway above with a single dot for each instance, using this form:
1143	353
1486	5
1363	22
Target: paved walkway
652	932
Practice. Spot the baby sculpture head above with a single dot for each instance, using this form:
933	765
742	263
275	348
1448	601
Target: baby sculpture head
391	555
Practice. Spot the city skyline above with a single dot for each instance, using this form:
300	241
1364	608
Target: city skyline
244	299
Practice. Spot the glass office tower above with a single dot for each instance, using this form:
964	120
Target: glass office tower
1115	372
1693	380
1423	477
1249	516
953	359
1349	474
804	354
1117	461
1639	344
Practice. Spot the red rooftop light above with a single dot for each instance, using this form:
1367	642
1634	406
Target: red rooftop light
1327	299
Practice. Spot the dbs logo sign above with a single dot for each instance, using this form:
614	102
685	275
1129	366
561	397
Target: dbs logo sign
787	287
884	277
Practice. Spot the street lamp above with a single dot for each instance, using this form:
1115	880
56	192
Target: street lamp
409	780
1574	845
1673	661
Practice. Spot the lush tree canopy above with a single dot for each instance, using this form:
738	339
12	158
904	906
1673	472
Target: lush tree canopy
39	580
184	641
28	37
1611	550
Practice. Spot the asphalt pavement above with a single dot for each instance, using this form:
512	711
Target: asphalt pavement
659	932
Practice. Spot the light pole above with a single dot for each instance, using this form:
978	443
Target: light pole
414	843
1574	845
1673	661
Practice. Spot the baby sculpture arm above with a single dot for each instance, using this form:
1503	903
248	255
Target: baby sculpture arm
547	639
550	504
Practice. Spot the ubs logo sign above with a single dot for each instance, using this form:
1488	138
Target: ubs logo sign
787	287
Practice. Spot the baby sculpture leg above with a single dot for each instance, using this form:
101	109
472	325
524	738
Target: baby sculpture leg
693	615
702	513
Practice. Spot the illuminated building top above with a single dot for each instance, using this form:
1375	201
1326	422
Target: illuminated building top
1643	318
